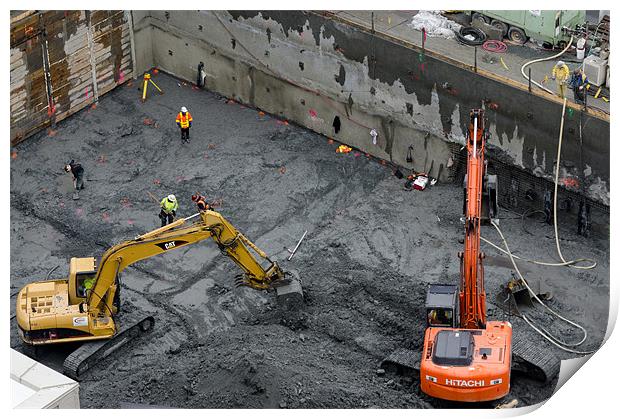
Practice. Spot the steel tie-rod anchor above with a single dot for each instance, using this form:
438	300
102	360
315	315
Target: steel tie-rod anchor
292	252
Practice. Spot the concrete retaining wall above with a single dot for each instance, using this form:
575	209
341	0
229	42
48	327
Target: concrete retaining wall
310	69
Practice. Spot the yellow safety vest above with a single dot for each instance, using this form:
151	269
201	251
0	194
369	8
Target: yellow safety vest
184	120
560	73
168	206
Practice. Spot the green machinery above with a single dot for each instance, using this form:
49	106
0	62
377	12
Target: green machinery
552	26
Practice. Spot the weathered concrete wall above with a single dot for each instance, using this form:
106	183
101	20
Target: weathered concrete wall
311	69
62	61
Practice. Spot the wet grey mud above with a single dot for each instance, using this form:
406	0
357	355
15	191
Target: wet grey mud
371	250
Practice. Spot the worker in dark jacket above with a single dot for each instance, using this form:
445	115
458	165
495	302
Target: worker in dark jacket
579	82
77	171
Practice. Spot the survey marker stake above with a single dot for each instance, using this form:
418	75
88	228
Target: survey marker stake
292	252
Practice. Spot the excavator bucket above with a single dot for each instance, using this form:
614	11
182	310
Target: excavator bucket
290	295
515	296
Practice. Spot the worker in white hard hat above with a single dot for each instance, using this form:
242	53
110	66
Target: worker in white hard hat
560	74
169	207
184	121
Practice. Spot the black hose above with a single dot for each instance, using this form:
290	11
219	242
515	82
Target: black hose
479	36
51	271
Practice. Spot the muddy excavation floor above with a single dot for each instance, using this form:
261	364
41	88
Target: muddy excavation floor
372	249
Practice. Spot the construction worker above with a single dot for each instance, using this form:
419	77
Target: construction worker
201	202
77	171
578	81
86	285
583	219
560	74
438	316
547	207
184	121
169	207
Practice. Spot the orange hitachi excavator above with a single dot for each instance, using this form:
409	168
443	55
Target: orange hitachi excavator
465	357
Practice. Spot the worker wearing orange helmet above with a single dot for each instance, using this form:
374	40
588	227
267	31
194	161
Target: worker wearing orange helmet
201	202
184	121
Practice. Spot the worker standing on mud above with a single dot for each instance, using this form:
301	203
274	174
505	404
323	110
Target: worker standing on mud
169	207
560	74
77	171
201	202
184	121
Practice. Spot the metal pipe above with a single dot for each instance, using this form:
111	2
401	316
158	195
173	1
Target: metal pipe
132	43
192	216
298	243
93	64
475	59
475	135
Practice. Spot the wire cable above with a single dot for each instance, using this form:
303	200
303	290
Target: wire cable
572	263
565	346
555	195
477	34
536	262
545	59
495	46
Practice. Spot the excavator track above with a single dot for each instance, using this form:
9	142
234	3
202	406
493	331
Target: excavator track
531	358
402	362
527	358
132	326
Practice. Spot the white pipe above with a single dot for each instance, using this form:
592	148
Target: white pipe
298	243
475	134
544	59
548	336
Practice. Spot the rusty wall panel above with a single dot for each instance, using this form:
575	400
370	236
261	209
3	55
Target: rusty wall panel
29	105
112	49
70	66
89	53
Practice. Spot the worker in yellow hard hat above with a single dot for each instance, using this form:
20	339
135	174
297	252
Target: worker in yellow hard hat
560	74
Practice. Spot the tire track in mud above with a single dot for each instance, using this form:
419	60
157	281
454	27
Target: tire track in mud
20	203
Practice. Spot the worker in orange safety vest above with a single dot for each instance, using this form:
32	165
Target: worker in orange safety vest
184	121
201	202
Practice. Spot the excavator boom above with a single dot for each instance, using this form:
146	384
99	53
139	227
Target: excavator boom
472	296
84	307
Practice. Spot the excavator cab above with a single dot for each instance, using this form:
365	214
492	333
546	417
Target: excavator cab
82	273
442	306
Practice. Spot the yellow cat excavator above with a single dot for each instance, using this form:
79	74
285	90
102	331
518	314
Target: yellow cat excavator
86	306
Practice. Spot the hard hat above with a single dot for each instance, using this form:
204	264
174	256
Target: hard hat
172	198
183	109
560	63
195	197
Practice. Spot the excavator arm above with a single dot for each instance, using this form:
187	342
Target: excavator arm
67	310
185	231
472	295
